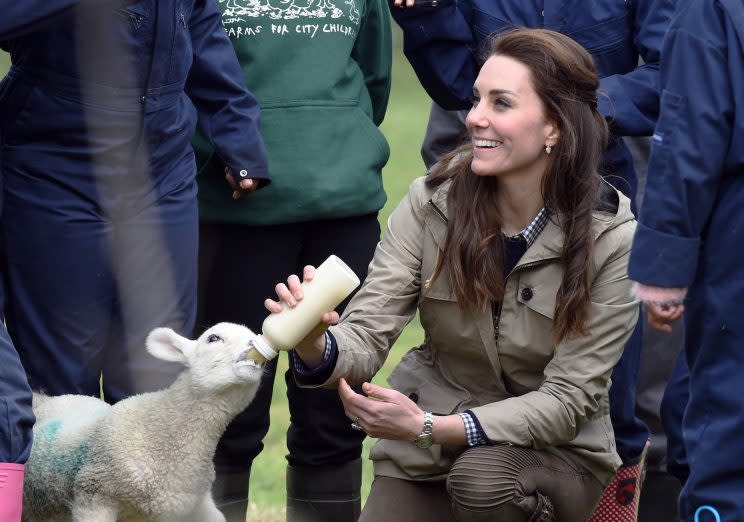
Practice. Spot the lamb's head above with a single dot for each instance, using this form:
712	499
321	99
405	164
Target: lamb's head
219	358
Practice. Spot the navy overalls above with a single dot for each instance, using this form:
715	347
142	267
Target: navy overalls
440	39
690	234
16	418
100	217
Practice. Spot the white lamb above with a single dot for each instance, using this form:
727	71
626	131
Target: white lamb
149	457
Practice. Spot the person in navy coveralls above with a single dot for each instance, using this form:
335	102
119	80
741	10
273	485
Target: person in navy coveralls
687	249
100	215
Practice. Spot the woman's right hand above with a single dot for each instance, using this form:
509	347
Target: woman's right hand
312	347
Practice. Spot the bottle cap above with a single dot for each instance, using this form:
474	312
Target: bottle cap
264	348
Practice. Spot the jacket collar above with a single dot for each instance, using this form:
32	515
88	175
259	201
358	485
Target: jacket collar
549	243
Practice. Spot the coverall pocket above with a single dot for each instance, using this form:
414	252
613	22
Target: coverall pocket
486	24
135	13
664	137
14	96
7	442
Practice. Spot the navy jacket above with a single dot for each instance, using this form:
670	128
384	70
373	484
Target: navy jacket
444	40
695	187
98	89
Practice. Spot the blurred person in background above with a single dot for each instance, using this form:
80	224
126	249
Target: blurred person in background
16	423
100	220
322	78
686	255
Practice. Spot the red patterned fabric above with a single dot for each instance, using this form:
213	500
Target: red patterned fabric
619	502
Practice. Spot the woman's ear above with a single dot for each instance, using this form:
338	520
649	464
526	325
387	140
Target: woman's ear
552	133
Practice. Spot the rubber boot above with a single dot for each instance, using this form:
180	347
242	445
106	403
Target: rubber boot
11	491
659	497
230	493
621	497
324	494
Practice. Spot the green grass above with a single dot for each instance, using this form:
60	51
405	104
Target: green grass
404	128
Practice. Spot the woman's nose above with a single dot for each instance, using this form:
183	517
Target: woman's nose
475	118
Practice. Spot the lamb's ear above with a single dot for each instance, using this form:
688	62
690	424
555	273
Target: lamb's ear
167	345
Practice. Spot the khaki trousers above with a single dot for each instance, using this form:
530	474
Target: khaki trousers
494	484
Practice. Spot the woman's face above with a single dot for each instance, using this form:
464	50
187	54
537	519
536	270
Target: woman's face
507	122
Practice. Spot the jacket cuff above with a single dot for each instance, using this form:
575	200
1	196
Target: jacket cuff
308	377
260	176
663	260
658	295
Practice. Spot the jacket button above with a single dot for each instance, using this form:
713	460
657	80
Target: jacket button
527	293
413	396
243	173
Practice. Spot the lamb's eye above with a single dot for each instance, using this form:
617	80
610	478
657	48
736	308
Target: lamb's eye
214	338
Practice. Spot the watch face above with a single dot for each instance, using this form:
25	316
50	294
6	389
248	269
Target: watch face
423	441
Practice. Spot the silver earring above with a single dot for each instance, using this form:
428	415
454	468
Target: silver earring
548	148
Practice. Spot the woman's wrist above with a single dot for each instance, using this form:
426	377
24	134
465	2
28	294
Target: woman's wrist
449	429
313	354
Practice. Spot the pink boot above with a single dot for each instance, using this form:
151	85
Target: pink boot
11	492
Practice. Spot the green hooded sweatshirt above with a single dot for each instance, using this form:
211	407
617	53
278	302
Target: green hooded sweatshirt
320	70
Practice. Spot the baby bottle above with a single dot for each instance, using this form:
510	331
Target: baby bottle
333	282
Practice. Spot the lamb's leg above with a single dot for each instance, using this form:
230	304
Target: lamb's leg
206	510
93	510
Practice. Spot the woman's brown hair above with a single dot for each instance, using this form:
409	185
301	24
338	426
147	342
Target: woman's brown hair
563	76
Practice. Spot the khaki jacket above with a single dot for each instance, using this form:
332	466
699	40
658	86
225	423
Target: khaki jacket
522	391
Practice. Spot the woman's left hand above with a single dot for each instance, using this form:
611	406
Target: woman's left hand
383	413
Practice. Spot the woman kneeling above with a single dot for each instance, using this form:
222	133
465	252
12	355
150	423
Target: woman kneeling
514	252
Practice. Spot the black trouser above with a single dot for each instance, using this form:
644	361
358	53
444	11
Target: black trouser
239	268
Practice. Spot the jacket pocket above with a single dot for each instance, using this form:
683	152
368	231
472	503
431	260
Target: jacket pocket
14	95
537	291
136	14
609	41
7	441
419	379
486	24
600	26
326	161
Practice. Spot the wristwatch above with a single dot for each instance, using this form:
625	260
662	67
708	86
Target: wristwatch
424	438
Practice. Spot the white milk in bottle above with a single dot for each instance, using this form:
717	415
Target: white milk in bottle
333	282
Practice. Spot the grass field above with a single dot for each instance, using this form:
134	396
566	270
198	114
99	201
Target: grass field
404	128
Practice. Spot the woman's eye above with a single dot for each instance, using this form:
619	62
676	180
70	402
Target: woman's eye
501	103
214	338
474	101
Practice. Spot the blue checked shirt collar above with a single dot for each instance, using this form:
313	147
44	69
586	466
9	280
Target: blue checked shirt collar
533	230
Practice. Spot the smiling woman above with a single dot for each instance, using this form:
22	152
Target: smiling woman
506	401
